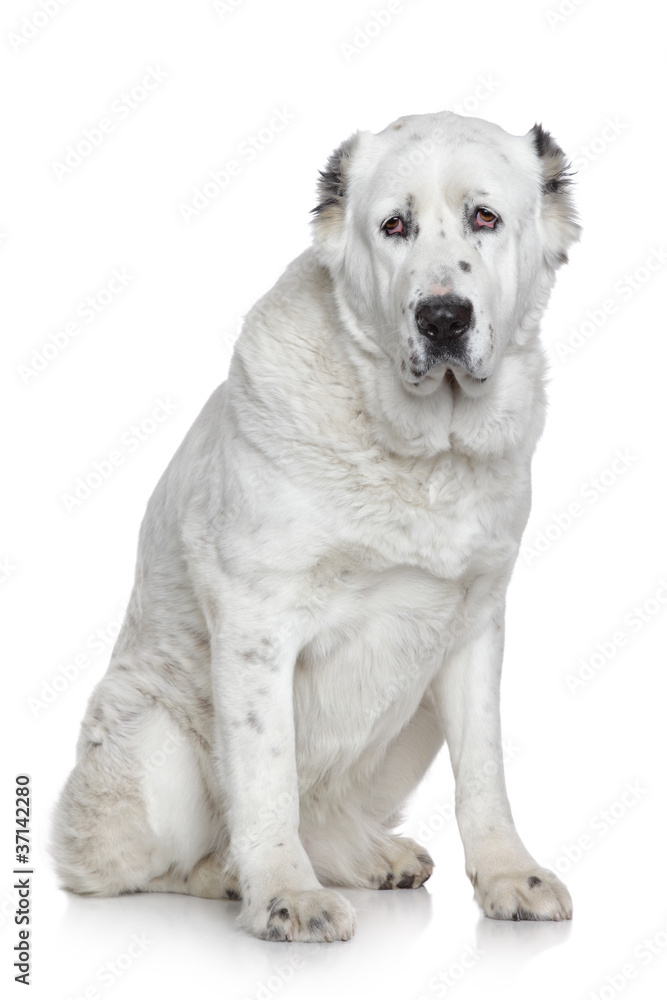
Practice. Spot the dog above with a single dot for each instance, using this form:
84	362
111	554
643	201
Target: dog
319	596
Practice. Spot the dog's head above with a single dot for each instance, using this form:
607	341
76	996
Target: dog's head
443	234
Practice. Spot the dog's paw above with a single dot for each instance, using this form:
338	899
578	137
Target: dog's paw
311	915
526	895
403	865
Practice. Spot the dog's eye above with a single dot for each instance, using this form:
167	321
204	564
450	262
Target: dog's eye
394	226
486	218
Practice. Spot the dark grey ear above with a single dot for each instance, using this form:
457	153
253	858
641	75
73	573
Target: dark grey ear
332	183
559	216
554	162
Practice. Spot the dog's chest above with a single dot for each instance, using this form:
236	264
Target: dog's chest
452	518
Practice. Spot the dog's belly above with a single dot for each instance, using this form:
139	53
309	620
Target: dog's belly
380	640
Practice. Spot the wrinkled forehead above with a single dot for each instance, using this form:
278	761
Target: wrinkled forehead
429	158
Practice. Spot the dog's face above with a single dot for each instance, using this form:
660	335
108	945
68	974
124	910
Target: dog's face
442	233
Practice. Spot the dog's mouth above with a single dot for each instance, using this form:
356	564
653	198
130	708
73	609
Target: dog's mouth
422	382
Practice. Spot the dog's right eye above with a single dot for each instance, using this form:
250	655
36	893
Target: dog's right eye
394	226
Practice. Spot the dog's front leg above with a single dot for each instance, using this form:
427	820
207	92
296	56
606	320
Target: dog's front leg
253	666
508	882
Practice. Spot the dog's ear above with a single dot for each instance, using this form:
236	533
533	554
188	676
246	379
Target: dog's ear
329	213
559	224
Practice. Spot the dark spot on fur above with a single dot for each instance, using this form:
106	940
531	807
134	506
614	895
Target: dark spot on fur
233	894
277	909
441	234
424	859
273	934
515	916
533	881
254	722
254	656
405	883
316	924
464	265
388	882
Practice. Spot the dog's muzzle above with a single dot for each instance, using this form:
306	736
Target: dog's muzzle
444	320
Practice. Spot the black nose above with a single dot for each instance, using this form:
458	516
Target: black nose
444	318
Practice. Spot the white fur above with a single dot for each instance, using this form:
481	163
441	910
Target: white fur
322	568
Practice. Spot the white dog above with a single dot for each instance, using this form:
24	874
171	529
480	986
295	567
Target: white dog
322	568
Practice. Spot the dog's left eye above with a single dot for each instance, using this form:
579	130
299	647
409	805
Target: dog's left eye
485	217
394	226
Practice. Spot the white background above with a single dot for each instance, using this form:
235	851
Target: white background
585	763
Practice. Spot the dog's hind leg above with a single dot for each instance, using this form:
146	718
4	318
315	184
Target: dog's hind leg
135	814
210	878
